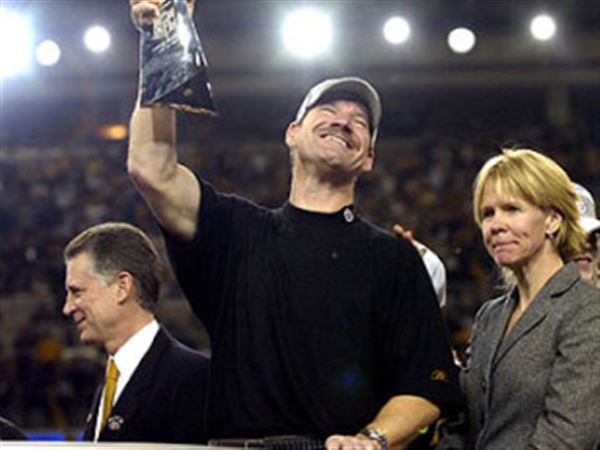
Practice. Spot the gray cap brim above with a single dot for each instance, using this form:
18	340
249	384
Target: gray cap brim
589	224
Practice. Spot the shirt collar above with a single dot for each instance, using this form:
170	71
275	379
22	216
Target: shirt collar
131	353
346	215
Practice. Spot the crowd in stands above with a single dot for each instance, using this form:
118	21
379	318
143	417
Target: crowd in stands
48	194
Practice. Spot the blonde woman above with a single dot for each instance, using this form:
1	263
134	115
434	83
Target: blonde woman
533	376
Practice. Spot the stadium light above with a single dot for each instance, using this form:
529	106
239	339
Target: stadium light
543	27
461	40
307	33
113	132
47	53
16	44
97	39
396	30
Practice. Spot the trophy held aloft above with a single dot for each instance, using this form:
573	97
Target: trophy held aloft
172	64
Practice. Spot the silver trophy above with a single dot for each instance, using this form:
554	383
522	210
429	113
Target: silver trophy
172	64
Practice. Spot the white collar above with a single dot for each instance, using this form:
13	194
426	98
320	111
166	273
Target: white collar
131	353
127	359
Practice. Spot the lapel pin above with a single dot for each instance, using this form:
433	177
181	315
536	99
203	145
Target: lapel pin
115	423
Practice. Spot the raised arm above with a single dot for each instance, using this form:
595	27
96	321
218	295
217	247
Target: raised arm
170	189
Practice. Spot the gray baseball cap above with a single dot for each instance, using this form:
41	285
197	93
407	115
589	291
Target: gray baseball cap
350	86
587	208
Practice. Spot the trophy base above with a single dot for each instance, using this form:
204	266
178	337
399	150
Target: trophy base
193	96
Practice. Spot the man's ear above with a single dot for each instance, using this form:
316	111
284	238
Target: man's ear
290	134
370	161
125	286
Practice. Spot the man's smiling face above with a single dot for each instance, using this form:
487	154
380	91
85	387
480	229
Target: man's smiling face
334	135
91	301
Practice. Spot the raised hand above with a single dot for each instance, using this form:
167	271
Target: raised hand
143	12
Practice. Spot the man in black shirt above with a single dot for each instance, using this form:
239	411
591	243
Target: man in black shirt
320	323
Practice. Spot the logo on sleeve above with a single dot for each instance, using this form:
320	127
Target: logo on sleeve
439	375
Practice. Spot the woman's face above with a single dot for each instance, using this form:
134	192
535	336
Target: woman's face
515	232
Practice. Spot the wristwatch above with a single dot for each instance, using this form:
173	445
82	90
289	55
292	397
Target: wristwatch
376	434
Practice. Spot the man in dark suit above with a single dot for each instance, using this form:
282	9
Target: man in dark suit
154	389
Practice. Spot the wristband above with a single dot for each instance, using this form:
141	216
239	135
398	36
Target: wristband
377	435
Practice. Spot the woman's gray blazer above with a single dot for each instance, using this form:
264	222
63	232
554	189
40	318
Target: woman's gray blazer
539	387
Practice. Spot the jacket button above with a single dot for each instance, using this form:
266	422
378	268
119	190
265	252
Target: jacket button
483	385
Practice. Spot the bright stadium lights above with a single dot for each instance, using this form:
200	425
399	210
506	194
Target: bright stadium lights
543	27
461	40
396	30
47	53
97	39
307	33
16	44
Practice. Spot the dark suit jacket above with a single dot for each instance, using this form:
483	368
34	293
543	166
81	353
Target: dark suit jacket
538	388
164	399
10	432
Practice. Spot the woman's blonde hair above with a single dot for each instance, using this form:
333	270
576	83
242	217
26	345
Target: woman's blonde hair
540	181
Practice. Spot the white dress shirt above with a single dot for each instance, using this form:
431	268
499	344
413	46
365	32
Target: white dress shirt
127	359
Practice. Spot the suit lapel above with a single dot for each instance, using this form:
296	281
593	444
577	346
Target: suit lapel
495	334
537	311
133	394
534	315
90	420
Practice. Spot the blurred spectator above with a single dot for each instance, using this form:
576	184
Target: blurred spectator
588	261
